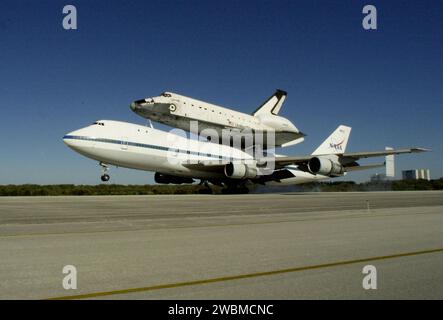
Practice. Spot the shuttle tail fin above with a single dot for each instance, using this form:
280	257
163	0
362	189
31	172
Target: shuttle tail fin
335	143
273	104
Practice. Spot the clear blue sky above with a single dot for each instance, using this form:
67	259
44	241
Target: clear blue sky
386	84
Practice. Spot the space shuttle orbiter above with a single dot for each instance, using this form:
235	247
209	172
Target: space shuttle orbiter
178	111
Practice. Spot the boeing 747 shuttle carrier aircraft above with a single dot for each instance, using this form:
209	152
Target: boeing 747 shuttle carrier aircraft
177	159
178	111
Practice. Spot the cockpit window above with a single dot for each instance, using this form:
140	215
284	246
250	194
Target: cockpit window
165	94
99	123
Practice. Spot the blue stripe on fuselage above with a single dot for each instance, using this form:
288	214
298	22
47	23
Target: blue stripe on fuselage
143	145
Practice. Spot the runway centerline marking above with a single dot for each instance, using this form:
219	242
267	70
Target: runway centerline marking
244	276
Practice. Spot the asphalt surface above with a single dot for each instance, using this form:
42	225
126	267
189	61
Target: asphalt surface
261	246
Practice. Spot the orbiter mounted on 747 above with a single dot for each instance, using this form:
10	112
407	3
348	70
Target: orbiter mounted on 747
178	159
178	111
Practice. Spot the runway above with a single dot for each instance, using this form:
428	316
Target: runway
259	246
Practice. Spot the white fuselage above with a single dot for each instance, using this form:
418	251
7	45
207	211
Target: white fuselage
178	111
144	148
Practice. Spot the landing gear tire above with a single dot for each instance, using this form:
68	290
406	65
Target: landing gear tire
105	176
244	190
236	190
207	189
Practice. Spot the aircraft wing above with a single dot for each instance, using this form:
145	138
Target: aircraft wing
286	161
346	159
359	155
207	165
357	167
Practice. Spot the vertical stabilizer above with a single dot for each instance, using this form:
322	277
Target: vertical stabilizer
273	104
335	143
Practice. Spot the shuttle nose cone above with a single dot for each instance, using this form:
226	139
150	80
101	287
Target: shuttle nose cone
137	105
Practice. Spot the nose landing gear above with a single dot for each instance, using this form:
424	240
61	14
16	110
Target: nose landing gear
105	176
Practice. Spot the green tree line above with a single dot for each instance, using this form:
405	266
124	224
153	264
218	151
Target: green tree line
115	189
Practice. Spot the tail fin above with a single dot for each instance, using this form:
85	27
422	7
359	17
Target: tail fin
335	143
273	104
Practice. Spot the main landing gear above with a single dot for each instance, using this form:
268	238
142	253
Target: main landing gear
105	176
204	183
234	188
207	189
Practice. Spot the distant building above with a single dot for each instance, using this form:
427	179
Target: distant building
416	174
379	177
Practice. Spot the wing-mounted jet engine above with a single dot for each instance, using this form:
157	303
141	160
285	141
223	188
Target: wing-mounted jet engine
181	112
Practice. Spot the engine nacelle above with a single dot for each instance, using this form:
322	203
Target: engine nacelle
240	171
166	178
326	167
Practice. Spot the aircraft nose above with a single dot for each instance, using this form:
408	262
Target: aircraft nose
71	138
67	138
